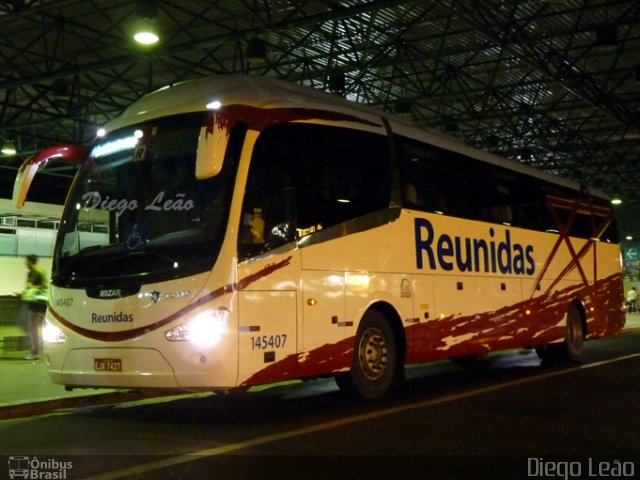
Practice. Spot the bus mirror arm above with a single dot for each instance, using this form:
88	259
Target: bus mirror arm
29	168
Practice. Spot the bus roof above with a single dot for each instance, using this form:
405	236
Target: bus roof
269	92
261	92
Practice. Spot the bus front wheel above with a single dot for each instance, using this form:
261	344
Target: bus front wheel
374	362
571	348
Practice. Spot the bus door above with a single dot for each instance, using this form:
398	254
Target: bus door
267	306
268	269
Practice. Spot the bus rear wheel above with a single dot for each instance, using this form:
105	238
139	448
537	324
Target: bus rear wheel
571	348
374	363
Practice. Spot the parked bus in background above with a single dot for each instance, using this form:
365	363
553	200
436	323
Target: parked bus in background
236	231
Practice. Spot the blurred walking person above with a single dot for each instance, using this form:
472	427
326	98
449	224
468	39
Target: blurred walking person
34	304
632	299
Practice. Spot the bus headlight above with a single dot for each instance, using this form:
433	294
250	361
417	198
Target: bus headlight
204	330
52	334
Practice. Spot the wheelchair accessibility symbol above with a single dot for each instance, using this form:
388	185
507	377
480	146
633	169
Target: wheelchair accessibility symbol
137	236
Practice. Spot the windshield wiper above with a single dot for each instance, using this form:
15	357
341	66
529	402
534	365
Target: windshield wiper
91	248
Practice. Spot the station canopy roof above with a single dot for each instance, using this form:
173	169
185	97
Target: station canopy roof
551	83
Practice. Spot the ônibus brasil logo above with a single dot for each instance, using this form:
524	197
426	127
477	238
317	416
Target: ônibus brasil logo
34	468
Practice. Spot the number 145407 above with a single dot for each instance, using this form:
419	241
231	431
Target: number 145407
267	342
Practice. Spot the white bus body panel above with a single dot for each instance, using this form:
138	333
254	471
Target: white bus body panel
299	306
294	311
147	358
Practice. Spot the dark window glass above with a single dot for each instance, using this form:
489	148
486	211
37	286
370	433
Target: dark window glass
304	178
138	213
437	180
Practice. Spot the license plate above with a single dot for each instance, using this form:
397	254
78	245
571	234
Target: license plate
107	364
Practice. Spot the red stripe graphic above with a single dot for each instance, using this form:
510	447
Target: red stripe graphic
508	327
136	332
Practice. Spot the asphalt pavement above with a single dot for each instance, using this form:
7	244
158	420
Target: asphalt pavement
26	389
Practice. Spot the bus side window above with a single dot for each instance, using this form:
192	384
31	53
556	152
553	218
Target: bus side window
410	196
501	214
269	211
306	177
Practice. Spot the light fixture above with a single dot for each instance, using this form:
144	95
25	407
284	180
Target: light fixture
402	108
449	124
146	32
61	90
145	28
616	200
8	148
256	50
337	82
493	141
606	36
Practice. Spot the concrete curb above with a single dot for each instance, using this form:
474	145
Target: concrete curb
630	331
52	405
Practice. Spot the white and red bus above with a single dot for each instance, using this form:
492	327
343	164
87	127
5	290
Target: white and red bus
236	231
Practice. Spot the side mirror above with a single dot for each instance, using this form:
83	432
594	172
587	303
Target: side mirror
29	168
212	145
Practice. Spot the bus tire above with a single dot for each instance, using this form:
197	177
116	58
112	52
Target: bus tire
374	362
571	348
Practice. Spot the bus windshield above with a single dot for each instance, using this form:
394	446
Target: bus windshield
136	211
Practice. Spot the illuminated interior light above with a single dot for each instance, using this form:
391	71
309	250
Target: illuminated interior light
344	200
115	146
215	105
101	132
138	133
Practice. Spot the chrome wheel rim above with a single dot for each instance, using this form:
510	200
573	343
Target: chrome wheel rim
373	353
